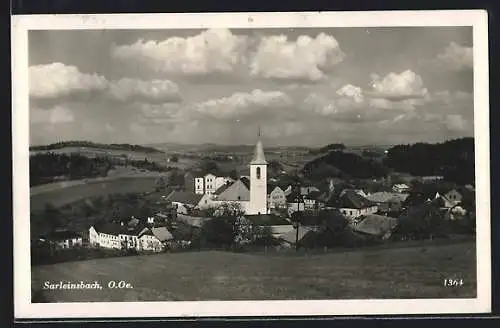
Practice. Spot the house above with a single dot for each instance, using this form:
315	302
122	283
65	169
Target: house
401	187
63	239
388	201
120	236
295	202
360	192
306	190
184	201
312	200
379	226
352	205
220	181
276	197
153	239
454	196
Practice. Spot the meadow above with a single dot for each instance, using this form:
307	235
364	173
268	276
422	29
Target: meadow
407	272
64	195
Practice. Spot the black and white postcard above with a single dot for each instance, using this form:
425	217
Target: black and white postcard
251	164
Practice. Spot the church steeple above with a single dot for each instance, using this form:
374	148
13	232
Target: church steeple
258	155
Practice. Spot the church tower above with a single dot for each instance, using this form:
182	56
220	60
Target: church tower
258	182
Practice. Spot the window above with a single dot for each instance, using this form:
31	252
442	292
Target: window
239	197
258	172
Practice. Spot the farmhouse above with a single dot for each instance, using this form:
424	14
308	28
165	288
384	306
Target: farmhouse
388	201
379	226
63	239
352	205
184	201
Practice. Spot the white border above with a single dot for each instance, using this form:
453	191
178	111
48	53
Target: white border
22	271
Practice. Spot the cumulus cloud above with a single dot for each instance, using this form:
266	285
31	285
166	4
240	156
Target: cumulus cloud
214	50
60	80
219	51
351	91
456	57
394	86
243	104
160	91
304	59
55	83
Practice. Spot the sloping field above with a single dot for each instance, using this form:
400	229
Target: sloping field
59	197
412	272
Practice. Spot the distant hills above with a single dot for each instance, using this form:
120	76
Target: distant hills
89	144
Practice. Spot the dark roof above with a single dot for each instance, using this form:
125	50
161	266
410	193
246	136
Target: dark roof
352	199
314	195
246	182
376	225
294	195
111	228
61	235
267	220
222	188
185	197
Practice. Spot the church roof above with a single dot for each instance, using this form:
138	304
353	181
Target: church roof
258	155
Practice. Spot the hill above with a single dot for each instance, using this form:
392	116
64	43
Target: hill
453	159
89	144
411	272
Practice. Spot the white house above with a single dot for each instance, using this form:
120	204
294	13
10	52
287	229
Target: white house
199	185
276	198
119	236
210	183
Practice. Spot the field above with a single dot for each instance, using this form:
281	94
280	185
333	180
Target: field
409	272
62	196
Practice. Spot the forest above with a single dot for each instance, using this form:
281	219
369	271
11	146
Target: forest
89	144
46	168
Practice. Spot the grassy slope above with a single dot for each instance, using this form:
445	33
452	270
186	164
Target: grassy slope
415	272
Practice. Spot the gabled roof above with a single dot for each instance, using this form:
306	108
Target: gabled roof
111	228
258	155
386	197
376	225
162	233
314	195
267	220
222	188
294	196
352	199
246	182
185	197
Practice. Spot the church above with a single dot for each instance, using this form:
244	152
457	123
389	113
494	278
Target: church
249	192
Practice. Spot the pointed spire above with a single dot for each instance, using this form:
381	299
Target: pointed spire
258	155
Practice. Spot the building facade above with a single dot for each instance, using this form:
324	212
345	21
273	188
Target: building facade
258	182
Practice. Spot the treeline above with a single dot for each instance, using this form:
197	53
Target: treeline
90	144
328	148
46	168
454	159
343	165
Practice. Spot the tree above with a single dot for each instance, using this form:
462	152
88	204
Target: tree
52	216
174	159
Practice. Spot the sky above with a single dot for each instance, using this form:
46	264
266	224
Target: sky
303	87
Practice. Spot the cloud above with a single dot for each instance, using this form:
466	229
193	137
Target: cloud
53	84
394	86
221	52
211	51
155	91
59	80
352	91
456	57
242	104
304	59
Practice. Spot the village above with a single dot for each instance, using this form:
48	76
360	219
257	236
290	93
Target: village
290	213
